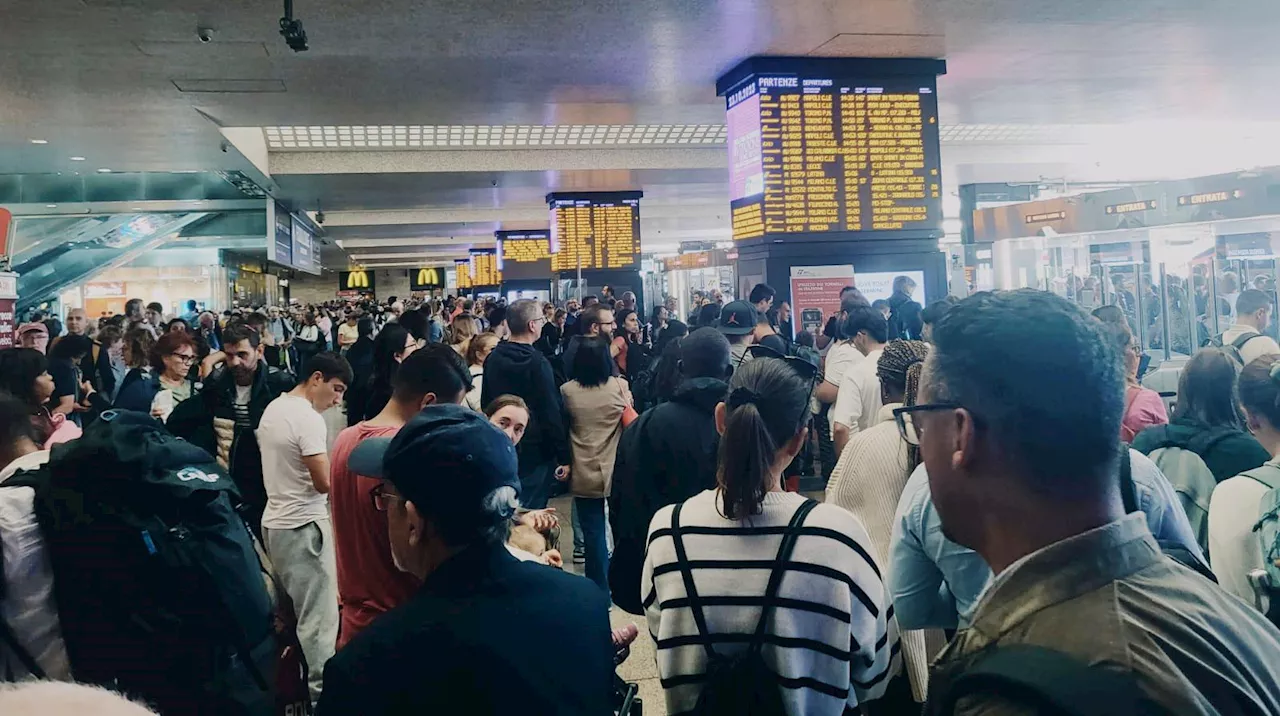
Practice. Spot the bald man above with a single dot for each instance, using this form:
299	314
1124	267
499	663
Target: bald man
58	698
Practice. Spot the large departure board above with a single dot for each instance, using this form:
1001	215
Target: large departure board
462	273
524	254
822	154
484	267
595	230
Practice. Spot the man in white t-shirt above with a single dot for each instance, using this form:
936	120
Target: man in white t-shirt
1253	315
858	400
293	439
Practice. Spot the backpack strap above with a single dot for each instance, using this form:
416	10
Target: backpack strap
1242	339
779	570
1053	682
690	591
1128	491
1268	475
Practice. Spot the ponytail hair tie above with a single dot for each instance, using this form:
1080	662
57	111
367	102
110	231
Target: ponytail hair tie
742	396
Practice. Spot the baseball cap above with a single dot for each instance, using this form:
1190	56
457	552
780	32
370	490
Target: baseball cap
448	456
738	318
26	327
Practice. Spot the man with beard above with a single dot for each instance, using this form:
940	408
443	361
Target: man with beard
222	418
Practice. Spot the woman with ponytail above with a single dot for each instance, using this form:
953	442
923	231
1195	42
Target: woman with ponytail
868	481
1234	548
717	569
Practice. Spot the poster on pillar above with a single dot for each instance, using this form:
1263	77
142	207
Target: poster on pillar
8	308
815	294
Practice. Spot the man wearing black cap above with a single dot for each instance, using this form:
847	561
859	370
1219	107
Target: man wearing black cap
738	324
464	643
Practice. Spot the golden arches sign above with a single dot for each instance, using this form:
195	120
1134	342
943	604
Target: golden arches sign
357	279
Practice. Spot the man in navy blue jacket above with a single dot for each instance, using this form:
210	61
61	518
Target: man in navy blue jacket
470	640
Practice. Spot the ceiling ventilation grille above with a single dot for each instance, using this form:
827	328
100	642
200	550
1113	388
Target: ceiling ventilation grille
355	137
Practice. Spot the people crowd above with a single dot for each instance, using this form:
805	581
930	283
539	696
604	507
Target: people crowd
1009	514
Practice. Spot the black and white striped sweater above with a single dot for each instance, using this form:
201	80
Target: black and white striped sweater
832	640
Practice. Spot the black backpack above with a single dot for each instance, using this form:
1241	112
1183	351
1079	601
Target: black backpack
740	685
159	591
1051	682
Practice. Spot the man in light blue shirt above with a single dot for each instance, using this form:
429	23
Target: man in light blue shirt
935	582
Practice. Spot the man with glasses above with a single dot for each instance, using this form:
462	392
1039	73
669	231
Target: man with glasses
1022	468
517	367
596	320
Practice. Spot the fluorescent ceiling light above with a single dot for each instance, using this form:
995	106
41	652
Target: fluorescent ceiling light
104	170
77	159
50	206
39	141
482	137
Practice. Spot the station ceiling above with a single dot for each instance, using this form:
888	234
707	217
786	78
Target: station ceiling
1036	91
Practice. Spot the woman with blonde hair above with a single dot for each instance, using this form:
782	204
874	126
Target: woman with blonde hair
477	351
465	327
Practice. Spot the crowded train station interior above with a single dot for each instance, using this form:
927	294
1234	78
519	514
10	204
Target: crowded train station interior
879	357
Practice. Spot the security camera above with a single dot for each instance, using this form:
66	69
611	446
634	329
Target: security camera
205	34
319	217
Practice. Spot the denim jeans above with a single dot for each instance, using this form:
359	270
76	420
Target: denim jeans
535	485
591	514
579	542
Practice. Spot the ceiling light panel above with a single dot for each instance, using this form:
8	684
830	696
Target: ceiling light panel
451	137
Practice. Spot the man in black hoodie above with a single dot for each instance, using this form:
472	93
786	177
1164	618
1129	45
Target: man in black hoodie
666	456
516	367
904	311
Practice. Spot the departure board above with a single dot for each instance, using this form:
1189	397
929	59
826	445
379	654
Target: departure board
462	273
595	230
823	155
524	254
484	268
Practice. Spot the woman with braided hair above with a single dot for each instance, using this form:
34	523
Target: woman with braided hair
868	481
720	581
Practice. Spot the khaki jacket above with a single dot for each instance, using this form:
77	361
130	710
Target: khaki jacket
595	426
1108	596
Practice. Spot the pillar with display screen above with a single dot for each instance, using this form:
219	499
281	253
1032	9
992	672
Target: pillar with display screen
835	178
524	259
595	241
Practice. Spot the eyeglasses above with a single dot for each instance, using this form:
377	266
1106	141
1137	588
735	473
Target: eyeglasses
908	427
184	357
382	499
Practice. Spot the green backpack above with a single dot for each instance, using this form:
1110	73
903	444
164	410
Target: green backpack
1266	581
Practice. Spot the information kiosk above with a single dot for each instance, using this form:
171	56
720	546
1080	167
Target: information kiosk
835	162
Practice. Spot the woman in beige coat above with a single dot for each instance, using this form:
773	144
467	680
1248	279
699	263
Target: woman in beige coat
595	400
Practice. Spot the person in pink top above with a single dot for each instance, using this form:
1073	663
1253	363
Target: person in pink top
1143	407
369	583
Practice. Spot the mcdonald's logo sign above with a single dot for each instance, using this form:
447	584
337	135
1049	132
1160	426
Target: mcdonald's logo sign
358	280
425	279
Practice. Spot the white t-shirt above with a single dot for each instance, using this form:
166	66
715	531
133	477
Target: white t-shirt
289	430
1236	550
840	358
859	398
1255	348
348	334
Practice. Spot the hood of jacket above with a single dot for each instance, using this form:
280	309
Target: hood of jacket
898	298
514	356
701	393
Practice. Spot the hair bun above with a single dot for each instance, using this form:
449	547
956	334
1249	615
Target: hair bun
742	396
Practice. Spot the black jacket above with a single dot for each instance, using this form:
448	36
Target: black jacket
193	419
522	370
666	456
1227	453
904	317
474	641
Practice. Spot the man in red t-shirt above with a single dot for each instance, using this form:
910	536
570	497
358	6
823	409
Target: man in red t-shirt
368	581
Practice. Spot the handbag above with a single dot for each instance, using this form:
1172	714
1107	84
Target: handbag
629	413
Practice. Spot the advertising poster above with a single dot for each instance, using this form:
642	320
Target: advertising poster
8	305
815	294
879	285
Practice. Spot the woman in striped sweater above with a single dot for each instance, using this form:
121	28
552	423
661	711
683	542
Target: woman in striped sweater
869	478
830	638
